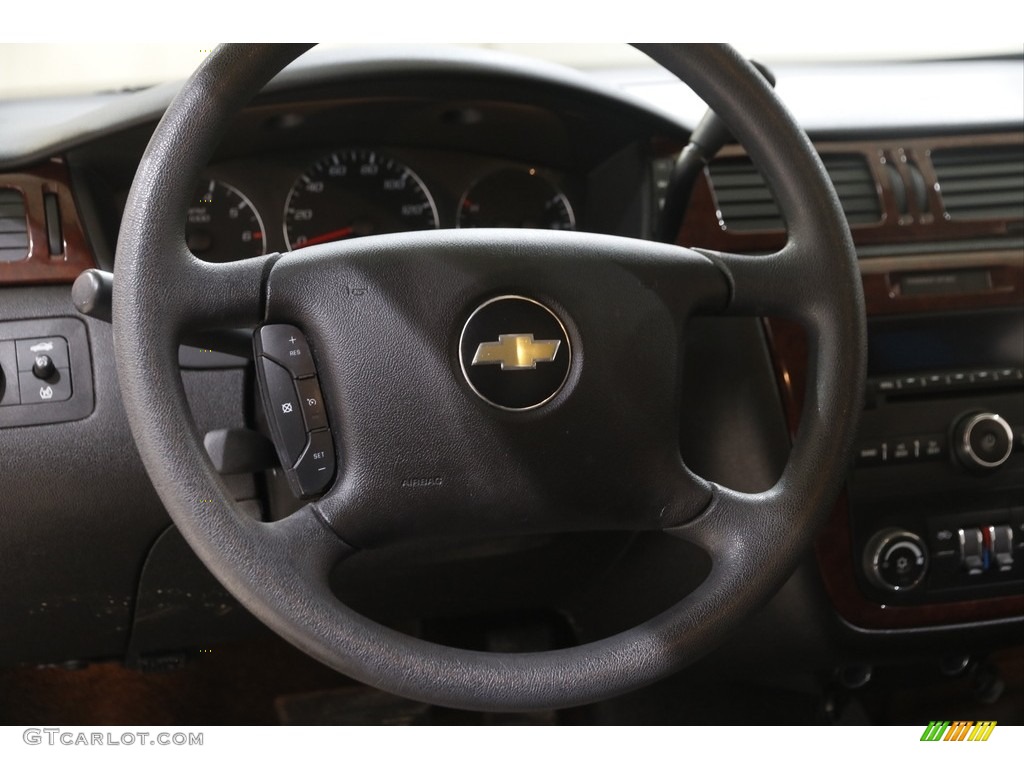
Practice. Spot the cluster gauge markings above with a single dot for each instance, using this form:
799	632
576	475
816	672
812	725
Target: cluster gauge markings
222	224
353	193
514	197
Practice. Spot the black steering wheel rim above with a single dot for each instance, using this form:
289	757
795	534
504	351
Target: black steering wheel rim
279	571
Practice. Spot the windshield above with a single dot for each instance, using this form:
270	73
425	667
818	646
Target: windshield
40	70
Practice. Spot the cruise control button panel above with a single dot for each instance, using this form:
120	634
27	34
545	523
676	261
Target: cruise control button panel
293	402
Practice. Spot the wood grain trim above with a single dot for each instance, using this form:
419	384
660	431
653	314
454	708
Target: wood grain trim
40	267
701	226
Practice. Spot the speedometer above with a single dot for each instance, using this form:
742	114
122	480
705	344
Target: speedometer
352	193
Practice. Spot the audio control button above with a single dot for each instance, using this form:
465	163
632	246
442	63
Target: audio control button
905	450
984	441
933	447
886	385
871	453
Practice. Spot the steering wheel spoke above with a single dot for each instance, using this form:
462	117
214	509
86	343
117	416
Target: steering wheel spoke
223	295
761	284
313	548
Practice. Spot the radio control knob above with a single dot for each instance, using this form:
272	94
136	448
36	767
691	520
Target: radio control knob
983	441
895	560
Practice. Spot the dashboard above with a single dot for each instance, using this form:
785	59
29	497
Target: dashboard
924	551
490	154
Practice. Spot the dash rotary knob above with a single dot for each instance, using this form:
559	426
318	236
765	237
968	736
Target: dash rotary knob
982	441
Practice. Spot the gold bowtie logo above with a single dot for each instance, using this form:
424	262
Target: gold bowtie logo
516	352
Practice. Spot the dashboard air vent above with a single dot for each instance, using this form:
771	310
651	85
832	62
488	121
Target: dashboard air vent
981	182
13	226
746	204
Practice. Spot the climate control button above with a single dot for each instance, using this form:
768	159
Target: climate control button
895	560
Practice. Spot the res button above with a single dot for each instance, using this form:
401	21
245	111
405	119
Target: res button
286	345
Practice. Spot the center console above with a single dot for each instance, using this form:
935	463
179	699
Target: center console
936	496
930	530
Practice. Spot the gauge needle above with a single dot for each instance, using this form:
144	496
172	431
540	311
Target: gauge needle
334	234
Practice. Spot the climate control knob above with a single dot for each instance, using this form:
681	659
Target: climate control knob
982	441
895	560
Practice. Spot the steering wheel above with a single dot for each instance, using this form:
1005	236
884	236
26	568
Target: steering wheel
599	451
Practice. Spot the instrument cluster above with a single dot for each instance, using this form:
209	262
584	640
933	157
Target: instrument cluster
244	209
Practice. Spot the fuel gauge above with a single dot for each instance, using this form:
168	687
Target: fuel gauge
515	197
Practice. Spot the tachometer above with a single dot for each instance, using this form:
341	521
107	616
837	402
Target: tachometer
352	193
515	197
222	225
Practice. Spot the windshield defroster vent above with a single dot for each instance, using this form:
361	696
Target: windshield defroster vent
981	182
14	243
745	203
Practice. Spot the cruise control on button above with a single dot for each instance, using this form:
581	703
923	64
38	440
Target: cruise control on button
311	401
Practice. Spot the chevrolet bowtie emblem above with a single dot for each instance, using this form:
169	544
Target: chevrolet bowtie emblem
516	352
485	363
